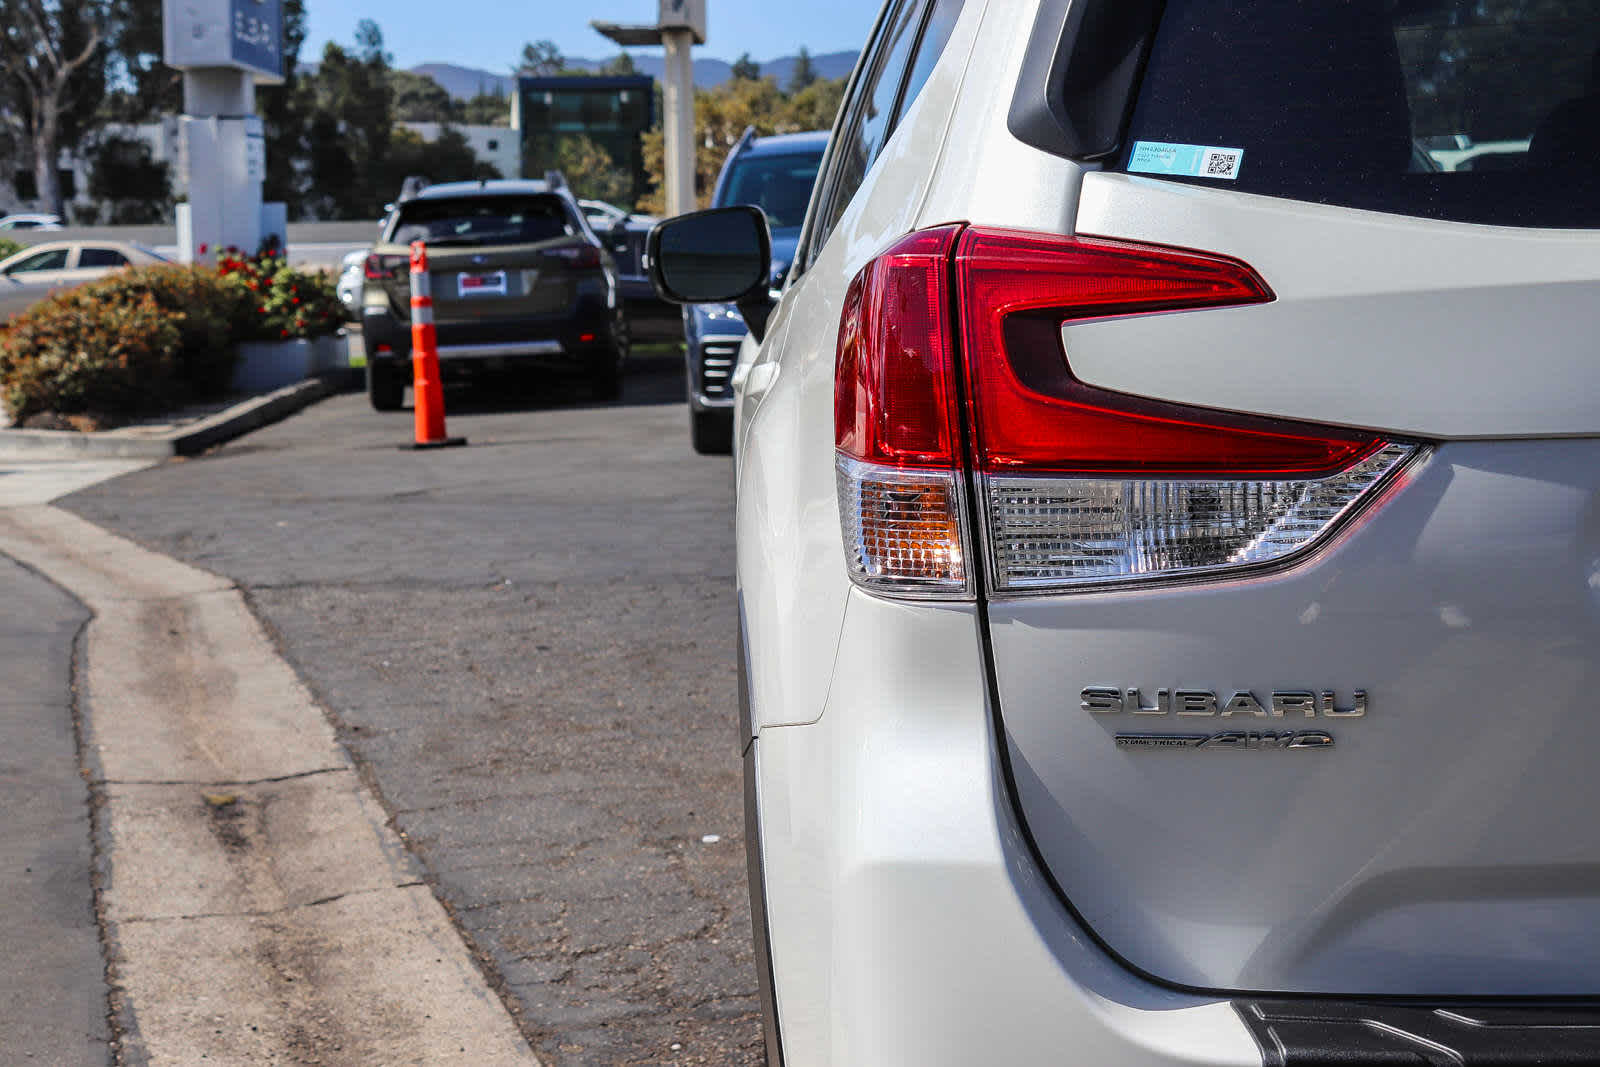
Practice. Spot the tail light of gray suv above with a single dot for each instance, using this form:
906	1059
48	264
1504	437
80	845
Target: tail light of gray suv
950	360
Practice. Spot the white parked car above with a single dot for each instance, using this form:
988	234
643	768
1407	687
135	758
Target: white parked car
352	277
1168	542
12	223
33	273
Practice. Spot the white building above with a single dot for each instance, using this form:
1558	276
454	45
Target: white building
162	137
498	145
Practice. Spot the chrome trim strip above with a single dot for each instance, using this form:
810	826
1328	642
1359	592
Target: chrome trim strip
497	348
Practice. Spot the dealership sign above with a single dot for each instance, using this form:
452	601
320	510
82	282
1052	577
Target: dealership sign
242	35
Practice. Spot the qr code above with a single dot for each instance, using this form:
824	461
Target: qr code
1219	163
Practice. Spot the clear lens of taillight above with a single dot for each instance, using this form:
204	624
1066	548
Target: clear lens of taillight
1078	486
904	529
1050	532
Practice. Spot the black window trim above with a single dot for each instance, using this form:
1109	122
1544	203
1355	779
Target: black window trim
824	202
827	173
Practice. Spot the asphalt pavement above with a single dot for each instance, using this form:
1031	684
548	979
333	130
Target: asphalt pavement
526	644
53	997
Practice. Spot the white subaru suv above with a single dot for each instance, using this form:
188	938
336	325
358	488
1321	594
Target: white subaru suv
1169	540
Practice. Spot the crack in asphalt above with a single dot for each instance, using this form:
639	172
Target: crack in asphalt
268	913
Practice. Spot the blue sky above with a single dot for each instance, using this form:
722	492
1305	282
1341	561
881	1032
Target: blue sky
490	34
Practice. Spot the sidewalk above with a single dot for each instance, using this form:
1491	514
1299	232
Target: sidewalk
245	899
52	987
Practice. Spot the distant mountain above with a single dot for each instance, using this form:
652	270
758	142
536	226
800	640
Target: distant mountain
463	82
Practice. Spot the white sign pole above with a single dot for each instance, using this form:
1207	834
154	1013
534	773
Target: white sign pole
223	47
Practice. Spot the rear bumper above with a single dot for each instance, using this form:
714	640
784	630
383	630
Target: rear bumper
909	923
570	341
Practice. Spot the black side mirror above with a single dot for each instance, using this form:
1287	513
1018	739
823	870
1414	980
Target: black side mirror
715	257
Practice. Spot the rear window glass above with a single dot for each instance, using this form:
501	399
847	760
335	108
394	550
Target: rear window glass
101	257
1471	110
778	185
485	220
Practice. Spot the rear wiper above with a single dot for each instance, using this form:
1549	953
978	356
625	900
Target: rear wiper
435	242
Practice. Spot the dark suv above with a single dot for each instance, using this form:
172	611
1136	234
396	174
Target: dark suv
518	279
775	174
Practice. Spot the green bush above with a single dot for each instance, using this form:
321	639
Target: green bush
211	316
143	339
9	248
153	338
77	352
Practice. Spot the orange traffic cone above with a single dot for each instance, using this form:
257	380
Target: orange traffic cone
427	389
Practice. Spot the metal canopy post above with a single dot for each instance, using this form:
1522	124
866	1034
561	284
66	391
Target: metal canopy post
681	25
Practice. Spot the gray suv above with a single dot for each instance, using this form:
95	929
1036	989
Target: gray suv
519	280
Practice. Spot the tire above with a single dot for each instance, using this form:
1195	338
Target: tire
711	432
605	379
385	388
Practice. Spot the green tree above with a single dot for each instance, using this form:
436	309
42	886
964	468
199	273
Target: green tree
286	117
125	176
331	170
542	59
52	78
804	74
354	99
418	98
135	56
448	159
590	170
486	109
814	107
746	69
622	63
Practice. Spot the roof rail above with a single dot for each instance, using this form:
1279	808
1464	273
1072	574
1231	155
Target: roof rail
413	185
555	179
745	138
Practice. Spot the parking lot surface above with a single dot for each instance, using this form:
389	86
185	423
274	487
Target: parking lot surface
527	644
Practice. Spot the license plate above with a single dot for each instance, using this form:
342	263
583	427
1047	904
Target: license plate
487	283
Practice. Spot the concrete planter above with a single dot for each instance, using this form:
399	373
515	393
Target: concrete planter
267	365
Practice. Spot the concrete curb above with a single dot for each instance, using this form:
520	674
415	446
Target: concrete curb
256	904
213	430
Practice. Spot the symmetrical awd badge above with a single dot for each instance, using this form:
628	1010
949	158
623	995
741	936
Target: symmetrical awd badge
1280	704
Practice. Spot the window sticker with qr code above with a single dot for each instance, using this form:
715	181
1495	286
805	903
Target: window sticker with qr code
1185	160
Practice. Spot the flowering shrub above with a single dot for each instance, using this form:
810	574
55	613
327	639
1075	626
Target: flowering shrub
78	351
153	338
288	302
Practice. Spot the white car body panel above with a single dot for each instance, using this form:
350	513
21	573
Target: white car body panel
1420	305
792	580
909	921
911	928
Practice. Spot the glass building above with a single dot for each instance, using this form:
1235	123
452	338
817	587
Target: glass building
613	111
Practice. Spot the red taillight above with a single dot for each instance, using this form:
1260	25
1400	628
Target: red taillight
383	268
1077	485
579	257
894	398
1030	414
